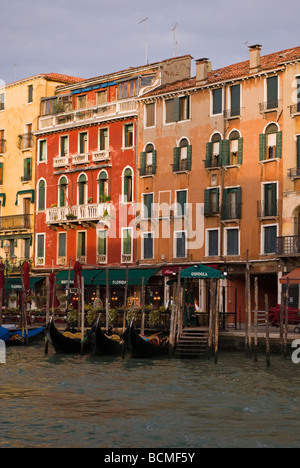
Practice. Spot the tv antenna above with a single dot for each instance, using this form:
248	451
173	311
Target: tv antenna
146	20
175	40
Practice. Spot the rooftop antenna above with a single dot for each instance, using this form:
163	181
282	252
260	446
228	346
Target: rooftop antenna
146	21
175	41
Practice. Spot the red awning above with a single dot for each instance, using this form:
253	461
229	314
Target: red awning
293	277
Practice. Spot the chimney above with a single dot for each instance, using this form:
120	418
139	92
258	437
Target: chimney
203	67
255	57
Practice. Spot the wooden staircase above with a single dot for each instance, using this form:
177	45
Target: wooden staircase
193	342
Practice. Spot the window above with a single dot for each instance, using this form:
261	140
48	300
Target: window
232	241
83	143
235	100
101	97
211	201
213	242
217	101
27	170
82	190
64	146
2	101
177	109
127	186
102	186
183	157
272	92
148	245
1	173
232	201
213	158
181	201
102	244
269	239
126	245
128	89
62	191
148	161
81	244
150	115
81	102
30	94
62	244
42	150
270	143
26	248
41	195
103	139
128	136
148	206
40	246
298	155
298	93
2	141
180	244
235	150
270	199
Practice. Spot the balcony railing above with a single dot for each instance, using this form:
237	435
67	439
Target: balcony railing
2	146
100	112
231	211
294	173
25	141
232	113
295	109
11	223
270	106
288	245
61	161
267	210
71	214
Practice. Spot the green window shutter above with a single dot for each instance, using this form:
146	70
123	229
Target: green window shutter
272	92
225	206
1	175
217	101
240	151
235	100
189	157
148	205
101	242
143	164
298	152
42	190
208	158
225	152
279	145
176	163
207	201
154	159
239	202
262	146
176	109
181	201
127	242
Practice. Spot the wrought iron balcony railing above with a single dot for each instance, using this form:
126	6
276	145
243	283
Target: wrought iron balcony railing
25	141
288	246
267	210
294	173
10	223
270	106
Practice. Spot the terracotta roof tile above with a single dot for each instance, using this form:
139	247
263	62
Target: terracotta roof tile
61	78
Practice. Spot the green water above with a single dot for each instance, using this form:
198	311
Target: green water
60	401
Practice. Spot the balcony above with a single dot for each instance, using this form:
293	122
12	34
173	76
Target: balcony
295	110
61	161
80	159
14	223
231	211
92	212
73	118
267	210
25	141
232	113
294	173
288	246
99	156
270	106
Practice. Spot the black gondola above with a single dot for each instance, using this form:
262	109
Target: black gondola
140	348
103	345
63	344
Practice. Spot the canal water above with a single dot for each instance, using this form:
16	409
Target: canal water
81	401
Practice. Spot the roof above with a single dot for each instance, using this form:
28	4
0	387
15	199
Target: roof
61	78
293	277
234	71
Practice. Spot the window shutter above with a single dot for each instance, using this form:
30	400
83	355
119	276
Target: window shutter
176	162
225	152
274	199
1	176
225	205
143	164
154	159
207	202
176	109
235	100
298	152
262	146
209	150
42	195
240	151
189	157
278	144
102	243
239	203
272	92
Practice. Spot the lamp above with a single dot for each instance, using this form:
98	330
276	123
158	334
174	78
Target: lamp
6	248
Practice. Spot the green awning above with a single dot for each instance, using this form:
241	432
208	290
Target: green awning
16	283
201	272
116	277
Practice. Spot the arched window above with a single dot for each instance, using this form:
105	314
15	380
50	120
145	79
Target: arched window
270	143
102	186
216	159
62	191
234	147
41	195
128	186
82	190
183	154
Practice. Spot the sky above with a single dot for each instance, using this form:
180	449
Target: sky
89	38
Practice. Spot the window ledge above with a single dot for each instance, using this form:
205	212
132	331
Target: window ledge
265	161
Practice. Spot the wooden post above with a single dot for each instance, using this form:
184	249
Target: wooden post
281	322
24	309
217	316
172	322
267	330
255	317
82	315
107	301
178	305
211	322
143	307
125	299
247	286
286	318
1	305
47	313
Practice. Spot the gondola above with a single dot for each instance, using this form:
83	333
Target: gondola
139	347
64	344
16	336
101	344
